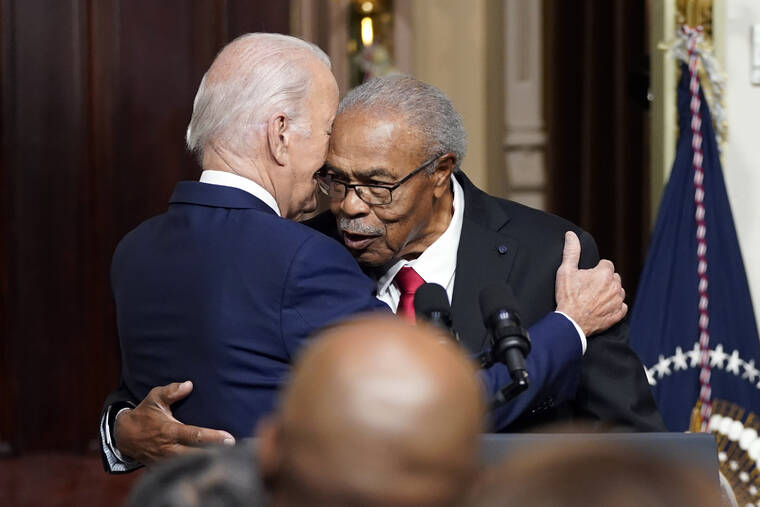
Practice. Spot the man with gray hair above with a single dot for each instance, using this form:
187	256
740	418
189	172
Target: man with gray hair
409	215
222	289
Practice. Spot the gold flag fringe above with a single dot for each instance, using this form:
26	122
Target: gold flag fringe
729	423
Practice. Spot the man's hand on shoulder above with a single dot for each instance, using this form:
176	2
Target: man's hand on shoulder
149	433
593	298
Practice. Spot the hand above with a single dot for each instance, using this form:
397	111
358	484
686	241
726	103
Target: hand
593	298
149	433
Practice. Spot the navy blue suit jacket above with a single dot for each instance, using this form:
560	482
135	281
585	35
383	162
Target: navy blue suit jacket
222	291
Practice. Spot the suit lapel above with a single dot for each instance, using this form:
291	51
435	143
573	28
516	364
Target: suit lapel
485	255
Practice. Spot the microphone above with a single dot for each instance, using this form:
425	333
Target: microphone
510	340
432	304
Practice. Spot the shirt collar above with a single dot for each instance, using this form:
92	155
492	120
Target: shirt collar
226	179
437	264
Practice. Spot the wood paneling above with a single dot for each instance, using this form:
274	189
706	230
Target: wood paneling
96	97
596	111
61	480
7	424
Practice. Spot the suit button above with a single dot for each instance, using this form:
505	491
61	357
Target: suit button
502	249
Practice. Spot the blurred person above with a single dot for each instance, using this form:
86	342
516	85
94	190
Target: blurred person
424	222
219	477
378	412
575	475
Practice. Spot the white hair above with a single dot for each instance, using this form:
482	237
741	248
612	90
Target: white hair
425	108
270	77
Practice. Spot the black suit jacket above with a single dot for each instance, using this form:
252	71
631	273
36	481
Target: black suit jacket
503	240
522	246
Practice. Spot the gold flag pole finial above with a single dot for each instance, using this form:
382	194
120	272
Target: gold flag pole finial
696	13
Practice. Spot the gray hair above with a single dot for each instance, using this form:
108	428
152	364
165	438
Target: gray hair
268	77
425	108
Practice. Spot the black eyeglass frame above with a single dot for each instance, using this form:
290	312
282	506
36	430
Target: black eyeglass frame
324	182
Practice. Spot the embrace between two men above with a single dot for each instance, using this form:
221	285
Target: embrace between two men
225	287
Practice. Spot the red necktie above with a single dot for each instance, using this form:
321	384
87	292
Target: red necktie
408	281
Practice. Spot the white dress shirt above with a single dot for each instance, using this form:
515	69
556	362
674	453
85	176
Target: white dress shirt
438	263
226	179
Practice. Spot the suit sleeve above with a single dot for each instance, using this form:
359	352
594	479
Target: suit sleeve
613	387
324	286
553	365
117	400
113	461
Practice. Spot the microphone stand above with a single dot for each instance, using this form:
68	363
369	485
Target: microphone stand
520	382
510	341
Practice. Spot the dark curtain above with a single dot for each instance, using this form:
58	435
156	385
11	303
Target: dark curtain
96	96
596	113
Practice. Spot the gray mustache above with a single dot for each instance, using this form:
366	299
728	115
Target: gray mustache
356	227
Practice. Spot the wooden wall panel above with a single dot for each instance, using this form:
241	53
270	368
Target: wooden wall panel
7	423
257	16
46	255
96	97
595	65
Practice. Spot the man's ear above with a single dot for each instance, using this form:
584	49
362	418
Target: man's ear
442	174
278	137
268	453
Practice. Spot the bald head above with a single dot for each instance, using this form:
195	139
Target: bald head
377	412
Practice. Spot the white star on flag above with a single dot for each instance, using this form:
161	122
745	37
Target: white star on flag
694	355
662	367
734	362
679	360
717	357
750	372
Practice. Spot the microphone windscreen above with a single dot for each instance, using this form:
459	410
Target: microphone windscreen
429	298
496	297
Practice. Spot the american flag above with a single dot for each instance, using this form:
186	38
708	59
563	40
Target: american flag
692	322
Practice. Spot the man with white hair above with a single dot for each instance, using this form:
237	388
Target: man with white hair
221	289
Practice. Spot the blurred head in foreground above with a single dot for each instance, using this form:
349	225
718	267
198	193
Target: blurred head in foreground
593	476
378	412
222	477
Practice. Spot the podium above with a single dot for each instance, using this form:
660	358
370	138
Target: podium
697	449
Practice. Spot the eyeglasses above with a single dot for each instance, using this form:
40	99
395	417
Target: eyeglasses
376	195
